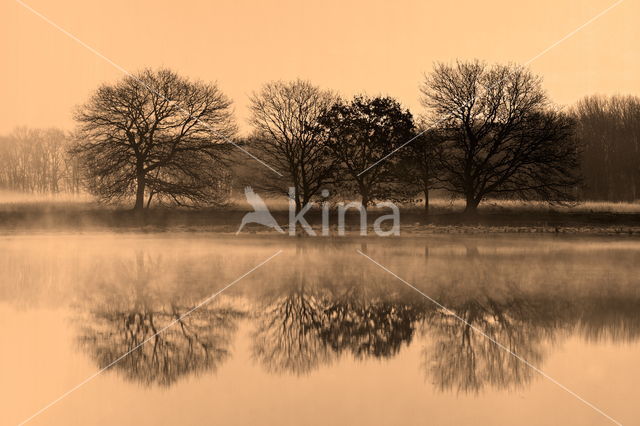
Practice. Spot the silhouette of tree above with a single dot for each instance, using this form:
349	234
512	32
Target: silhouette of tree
285	119
501	136
155	133
359	134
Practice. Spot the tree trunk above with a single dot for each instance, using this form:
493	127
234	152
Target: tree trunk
140	192
426	199
298	203
471	208
365	202
151	194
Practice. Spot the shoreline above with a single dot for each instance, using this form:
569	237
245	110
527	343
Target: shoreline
22	219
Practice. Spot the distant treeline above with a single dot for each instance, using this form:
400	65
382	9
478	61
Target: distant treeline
609	132
486	131
37	160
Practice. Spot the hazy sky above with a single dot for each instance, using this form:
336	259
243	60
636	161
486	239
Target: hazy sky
378	47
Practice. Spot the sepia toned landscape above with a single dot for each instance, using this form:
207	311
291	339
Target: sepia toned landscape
356	213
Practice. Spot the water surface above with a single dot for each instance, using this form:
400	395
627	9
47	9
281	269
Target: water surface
319	335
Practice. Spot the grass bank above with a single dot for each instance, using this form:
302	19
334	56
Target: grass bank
444	217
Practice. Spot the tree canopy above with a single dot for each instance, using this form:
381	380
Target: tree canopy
155	133
284	116
501	135
361	132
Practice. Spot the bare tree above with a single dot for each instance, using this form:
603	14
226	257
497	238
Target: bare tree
155	133
609	130
502	136
285	118
35	160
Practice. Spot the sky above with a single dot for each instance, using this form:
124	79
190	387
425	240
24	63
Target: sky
352	47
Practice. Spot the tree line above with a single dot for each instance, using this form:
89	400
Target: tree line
486	131
37	160
609	129
491	131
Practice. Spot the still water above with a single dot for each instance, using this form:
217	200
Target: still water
319	334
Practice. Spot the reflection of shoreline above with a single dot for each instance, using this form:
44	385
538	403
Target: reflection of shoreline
303	319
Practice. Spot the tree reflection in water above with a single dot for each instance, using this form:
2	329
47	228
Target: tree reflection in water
310	326
129	311
369	325
310	320
303	318
462	354
611	318
460	358
287	335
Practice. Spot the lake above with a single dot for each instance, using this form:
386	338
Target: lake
473	330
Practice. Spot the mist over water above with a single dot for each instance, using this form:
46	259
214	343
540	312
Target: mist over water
318	318
353	232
